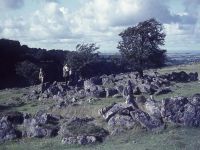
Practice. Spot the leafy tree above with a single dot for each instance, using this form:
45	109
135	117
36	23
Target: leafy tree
85	54
140	45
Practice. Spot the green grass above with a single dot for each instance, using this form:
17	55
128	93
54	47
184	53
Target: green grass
170	139
182	89
87	109
8	94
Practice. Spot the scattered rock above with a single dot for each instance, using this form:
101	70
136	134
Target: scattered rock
7	131
120	123
41	131
81	131
146	121
14	117
112	110
172	110
164	90
120	89
182	76
108	80
97	92
81	140
41	125
152	108
111	91
193	76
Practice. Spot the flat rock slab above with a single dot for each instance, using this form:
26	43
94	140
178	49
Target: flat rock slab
115	109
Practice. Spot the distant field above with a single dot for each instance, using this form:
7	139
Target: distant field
171	139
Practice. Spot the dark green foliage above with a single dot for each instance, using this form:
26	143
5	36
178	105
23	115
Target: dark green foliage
88	62
84	55
28	71
140	45
20	64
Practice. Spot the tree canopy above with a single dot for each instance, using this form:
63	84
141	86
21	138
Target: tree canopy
84	55
140	45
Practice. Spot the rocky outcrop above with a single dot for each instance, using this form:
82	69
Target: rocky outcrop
108	86
164	90
123	116
110	92
182	111
119	123
41	125
110	111
182	76
148	122
153	115
7	131
13	117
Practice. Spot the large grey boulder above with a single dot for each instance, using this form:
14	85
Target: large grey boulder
110	92
91	83
13	116
103	110
41	131
193	76
148	88
146	121
106	81
117	108
182	111
181	76
191	116
7	131
98	92
121	117
120	89
46	118
94	90
152	108
52	90
163	90
172	110
119	123
41	125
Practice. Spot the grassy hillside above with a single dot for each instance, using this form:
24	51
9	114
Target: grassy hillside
171	139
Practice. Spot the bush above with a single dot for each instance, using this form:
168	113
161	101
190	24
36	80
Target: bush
28	72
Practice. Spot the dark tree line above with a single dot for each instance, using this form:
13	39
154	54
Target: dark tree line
139	49
20	64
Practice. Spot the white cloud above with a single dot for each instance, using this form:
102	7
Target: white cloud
51	22
97	21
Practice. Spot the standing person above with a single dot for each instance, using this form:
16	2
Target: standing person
41	78
66	71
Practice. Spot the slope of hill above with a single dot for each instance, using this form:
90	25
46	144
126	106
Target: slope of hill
173	138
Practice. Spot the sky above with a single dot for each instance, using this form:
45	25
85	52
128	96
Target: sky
62	24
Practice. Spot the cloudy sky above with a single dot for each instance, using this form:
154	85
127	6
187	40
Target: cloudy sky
62	24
